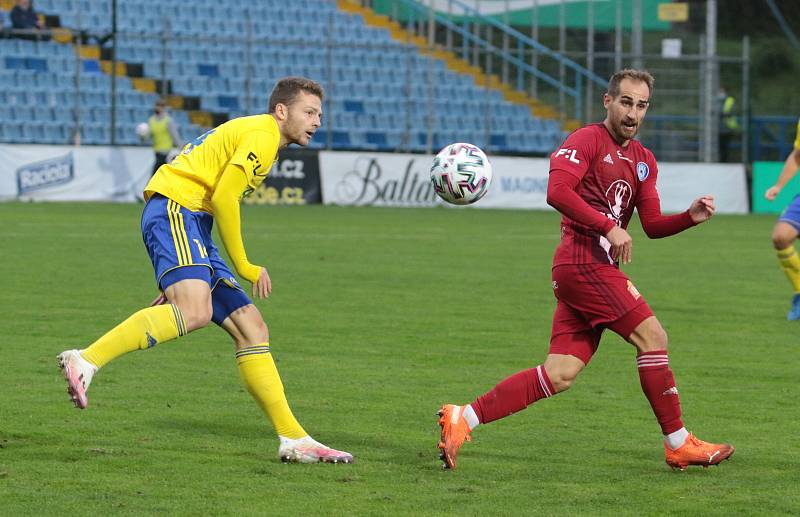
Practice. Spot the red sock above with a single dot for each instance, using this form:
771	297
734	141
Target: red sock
513	394
658	385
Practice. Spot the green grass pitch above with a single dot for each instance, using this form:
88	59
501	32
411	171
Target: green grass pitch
378	316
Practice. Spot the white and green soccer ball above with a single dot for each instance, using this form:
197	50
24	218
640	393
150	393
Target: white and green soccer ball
461	173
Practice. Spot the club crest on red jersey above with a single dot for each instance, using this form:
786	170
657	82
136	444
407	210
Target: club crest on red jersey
618	197
642	170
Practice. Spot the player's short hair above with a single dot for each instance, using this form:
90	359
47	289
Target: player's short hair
629	73
287	89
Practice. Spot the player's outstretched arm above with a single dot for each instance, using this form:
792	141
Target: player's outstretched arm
790	167
226	198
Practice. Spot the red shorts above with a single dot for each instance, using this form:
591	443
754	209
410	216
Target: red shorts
592	297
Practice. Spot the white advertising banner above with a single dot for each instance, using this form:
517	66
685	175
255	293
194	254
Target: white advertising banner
387	179
376	179
681	183
104	173
66	173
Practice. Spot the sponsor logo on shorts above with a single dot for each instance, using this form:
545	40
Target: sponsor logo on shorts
634	292
555	285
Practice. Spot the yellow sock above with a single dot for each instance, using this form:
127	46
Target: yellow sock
790	263
143	329
260	377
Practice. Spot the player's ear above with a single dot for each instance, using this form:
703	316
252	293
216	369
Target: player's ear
281	111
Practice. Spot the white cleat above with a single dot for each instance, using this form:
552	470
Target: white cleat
308	450
78	372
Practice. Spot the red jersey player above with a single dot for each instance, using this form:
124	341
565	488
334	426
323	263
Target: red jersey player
597	177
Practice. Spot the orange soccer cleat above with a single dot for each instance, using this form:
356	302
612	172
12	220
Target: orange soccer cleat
697	452
455	430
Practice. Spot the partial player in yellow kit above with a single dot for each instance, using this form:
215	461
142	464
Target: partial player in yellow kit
203	184
787	228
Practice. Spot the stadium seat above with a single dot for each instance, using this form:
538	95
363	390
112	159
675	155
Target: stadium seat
91	66
15	63
354	106
208	70
377	139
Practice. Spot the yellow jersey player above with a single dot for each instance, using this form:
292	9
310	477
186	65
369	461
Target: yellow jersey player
788	226
203	184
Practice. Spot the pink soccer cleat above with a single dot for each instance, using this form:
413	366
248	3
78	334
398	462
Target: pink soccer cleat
308	450
78	372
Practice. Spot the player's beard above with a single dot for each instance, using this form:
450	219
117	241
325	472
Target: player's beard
622	133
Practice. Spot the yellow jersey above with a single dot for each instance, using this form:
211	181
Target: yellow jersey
797	136
191	178
160	133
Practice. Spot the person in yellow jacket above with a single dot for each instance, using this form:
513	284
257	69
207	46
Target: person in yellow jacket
163	133
728	123
203	184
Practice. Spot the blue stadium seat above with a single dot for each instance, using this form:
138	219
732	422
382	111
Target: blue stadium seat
354	106
15	63
497	141
208	70
55	133
92	66
340	138
37	64
377	139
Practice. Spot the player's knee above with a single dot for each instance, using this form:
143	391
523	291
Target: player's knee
783	236
258	332
196	316
655	339
250	328
563	381
562	376
781	241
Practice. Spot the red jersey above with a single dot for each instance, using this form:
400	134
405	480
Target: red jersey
612	180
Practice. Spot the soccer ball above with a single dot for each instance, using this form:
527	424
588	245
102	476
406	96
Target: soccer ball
143	130
461	174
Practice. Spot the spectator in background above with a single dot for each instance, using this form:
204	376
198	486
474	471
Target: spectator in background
728	124
24	18
787	228
163	134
